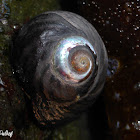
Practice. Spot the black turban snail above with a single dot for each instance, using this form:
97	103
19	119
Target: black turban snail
61	62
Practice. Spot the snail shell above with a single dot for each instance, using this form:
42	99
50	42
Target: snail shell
61	62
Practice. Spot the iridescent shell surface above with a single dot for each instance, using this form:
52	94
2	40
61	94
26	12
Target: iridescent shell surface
60	60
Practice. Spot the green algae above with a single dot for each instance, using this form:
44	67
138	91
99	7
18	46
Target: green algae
22	10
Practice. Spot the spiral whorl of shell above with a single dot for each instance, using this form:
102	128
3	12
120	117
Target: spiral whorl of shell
74	59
